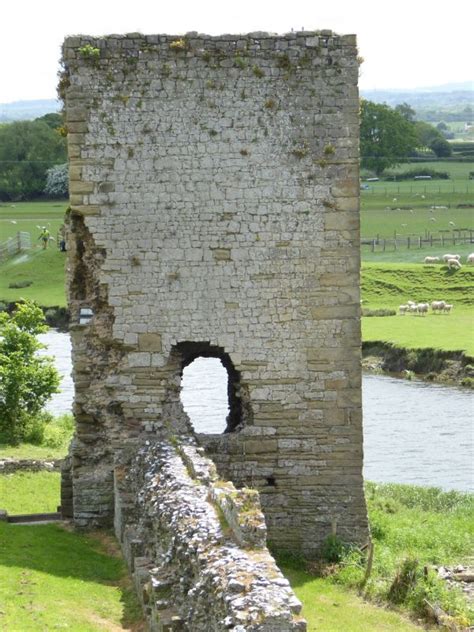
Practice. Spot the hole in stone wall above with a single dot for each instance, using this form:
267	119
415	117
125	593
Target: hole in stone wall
210	388
271	482
204	386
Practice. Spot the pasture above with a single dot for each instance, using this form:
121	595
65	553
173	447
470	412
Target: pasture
419	208
44	268
392	284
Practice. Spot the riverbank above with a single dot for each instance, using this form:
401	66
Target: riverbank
434	365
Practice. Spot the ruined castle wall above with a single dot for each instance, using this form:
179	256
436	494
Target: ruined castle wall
214	193
196	547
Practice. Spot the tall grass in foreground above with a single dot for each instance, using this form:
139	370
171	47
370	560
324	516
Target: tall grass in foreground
413	529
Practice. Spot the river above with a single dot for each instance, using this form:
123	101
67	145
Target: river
414	432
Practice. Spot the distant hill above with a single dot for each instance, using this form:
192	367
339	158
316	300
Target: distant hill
27	110
458	95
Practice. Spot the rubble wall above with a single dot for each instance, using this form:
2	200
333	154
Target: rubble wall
196	546
215	211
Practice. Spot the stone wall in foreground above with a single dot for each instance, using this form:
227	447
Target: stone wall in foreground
214	212
196	546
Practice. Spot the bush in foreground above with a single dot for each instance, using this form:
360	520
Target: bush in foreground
27	380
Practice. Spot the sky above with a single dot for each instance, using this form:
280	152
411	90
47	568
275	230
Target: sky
405	44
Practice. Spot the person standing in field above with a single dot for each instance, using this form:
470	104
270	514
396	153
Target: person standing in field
45	237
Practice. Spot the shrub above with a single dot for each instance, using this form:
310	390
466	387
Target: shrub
412	173
27	381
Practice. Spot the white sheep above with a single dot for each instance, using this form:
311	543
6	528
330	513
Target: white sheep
422	308
431	259
470	258
447	257
454	263
447	308
413	308
438	306
403	309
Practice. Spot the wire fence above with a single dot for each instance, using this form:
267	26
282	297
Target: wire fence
14	245
381	244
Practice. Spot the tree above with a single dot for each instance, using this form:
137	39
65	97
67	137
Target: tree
429	137
57	181
386	137
27	150
406	111
441	148
27	381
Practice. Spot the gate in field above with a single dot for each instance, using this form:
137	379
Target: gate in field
14	245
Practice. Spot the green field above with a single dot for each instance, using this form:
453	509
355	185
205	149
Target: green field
411	209
392	284
44	268
30	217
52	579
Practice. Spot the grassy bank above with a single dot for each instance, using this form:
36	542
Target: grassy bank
413	529
389	285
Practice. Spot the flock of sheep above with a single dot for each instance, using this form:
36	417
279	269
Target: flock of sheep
453	261
439	307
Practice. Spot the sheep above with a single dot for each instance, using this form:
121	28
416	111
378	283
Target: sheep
446	257
413	308
431	259
422	308
447	308
438	306
403	309
470	258
454	263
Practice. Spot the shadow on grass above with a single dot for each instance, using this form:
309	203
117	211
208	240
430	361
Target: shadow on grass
53	550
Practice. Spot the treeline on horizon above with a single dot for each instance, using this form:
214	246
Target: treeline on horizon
33	155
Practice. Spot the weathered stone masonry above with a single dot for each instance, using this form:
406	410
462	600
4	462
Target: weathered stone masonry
214	196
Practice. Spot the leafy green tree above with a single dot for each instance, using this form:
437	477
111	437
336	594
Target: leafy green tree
386	137
441	148
27	380
406	111
54	120
57	181
27	150
430	137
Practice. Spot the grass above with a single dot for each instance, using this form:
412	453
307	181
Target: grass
45	268
29	451
407	522
52	579
405	209
30	492
389	285
423	526
331	608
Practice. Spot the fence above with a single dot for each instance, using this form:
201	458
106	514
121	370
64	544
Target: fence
418	241
12	246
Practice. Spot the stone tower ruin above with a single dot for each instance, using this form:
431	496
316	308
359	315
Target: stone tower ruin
214	192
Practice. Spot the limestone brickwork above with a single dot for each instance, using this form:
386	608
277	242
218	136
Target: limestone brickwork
215	211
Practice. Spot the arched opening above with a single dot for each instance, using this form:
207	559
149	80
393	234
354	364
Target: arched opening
210	388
